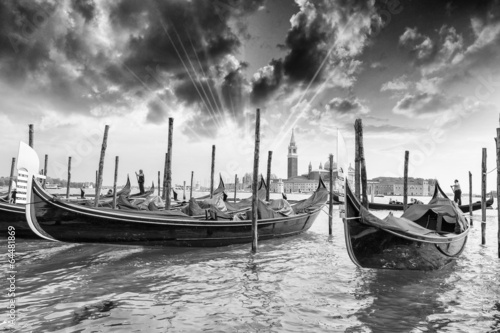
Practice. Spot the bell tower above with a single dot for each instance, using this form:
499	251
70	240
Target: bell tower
292	158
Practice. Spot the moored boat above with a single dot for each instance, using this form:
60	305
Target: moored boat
82	224
425	237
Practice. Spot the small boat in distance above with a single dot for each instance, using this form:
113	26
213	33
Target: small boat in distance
50	186
425	237
399	206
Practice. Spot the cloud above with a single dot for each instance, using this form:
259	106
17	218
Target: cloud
321	45
156	113
419	46
423	104
398	84
347	106
99	58
266	81
387	128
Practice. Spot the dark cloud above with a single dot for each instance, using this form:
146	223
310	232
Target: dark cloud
423	103
324	38
268	82
233	90
80	62
346	106
315	31
156	112
86	8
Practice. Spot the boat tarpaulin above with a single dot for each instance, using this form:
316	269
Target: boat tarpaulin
394	223
315	201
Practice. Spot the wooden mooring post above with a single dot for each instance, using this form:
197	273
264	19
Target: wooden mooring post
470	199
330	203
212	171
268	179
191	188
69	178
255	233
361	157
46	165
184	191
483	198
165	178
405	181
169	162
498	188
357	180
159	188
11	178
101	165
235	186
115	180
31	136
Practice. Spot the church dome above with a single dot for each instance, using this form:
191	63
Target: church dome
327	165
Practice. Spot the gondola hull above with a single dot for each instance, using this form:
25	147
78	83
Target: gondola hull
13	215
82	224
372	247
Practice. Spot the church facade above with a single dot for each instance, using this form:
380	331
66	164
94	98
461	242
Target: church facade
307	182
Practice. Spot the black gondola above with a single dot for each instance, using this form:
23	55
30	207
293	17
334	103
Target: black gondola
425	237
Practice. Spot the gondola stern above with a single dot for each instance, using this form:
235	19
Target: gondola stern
28	165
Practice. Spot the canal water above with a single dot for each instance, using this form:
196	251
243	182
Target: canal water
305	283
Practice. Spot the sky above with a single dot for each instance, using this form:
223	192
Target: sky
422	75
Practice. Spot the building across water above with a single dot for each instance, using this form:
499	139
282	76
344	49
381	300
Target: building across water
307	182
395	186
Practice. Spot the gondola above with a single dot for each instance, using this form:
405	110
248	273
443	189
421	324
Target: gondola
425	237
147	193
83	224
464	208
124	191
14	215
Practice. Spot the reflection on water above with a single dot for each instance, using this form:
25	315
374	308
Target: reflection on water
402	300
305	283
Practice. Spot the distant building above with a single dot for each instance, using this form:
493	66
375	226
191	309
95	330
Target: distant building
306	182
293	159
395	186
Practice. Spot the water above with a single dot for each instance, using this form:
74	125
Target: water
305	283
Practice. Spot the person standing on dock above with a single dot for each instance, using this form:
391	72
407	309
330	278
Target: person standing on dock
140	180
458	192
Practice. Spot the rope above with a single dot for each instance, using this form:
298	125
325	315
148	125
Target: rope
326	213
491	171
